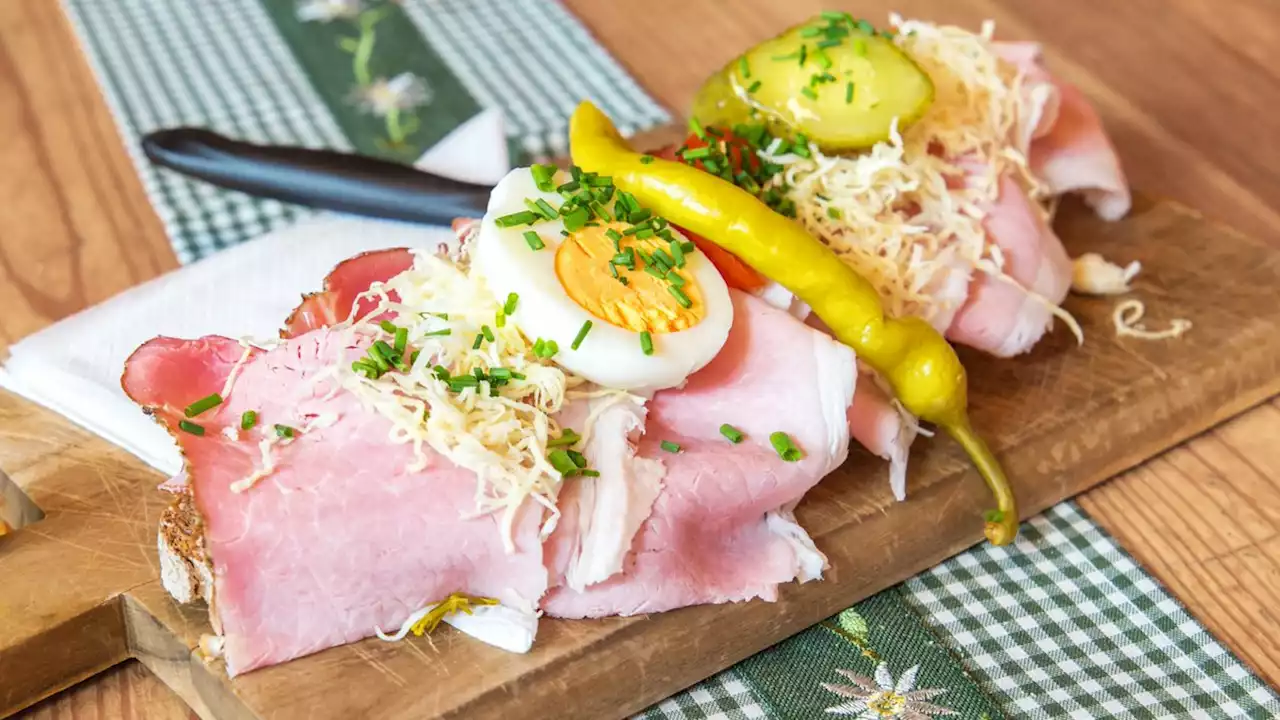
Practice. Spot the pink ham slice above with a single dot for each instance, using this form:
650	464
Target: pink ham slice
1069	149
350	278
341	539
1002	318
722	528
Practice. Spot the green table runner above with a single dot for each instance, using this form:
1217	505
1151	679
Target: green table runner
1062	625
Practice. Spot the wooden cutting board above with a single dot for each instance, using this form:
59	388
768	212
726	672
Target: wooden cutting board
79	589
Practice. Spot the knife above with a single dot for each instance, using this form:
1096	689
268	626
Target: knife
323	179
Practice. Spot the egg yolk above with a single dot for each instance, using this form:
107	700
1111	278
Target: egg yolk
645	302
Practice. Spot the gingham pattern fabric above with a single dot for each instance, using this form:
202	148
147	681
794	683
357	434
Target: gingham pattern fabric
1065	624
222	64
722	697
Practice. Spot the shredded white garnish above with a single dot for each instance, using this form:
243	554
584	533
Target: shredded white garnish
1092	274
235	369
908	213
267	467
1128	321
501	437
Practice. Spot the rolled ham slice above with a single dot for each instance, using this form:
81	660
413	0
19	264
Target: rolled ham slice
999	317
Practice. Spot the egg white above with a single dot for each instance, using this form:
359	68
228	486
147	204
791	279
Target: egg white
610	356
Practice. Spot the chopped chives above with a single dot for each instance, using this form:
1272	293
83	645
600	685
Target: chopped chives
579	460
567	437
517	376
582	333
675	278
811	32
696	127
744	67
655	272
833	213
402	340
462	382
561	461
848	93
248	419
821	58
688	247
589	473
543	175
731	433
533	240
676	254
487	332
475	344
379	362
524	217
509	306
809	93
681	298
500	373
594	180
441	372
500	318
413	357
753	87
613	235
190	427
613	270
646	343
621	259
438	333
624	281
670	446
828	43
860	47
662	256
711	166
202	405
576	219
284	431
388	326
866	27
835	15
568	187
545	209
365	368
695	153
639	216
644	233
785	448
646	159
479	373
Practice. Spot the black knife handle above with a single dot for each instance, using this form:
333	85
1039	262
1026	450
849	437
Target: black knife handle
323	179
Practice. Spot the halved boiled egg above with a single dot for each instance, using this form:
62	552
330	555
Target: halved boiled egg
657	313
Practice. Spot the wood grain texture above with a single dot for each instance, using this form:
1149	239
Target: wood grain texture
1185	98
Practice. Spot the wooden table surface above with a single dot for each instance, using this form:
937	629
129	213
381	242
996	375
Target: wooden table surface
1187	89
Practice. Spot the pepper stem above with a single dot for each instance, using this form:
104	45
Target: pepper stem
1002	523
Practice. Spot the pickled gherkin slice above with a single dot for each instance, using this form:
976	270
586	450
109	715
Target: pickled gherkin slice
833	79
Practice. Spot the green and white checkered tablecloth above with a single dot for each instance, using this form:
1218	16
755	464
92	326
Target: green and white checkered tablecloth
1062	625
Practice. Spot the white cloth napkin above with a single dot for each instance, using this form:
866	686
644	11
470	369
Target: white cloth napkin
74	366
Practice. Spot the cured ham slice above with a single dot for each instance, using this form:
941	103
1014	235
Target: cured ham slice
1000	317
722	528
1077	156
1065	141
339	537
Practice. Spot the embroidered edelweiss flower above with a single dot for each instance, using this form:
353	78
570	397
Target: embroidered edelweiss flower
402	92
882	698
326	10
